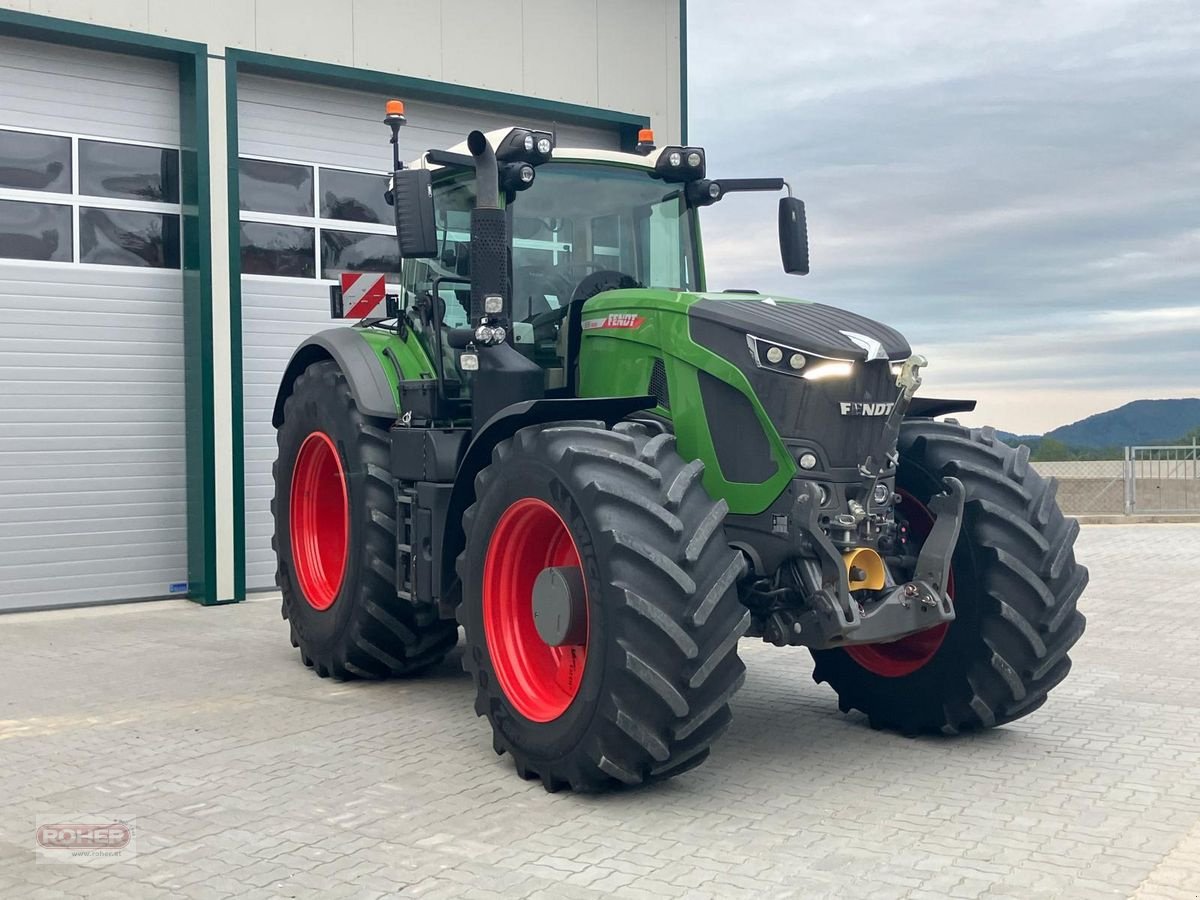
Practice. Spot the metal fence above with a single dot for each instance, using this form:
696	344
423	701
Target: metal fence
1162	479
1149	479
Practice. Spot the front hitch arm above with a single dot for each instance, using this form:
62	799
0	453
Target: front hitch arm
933	563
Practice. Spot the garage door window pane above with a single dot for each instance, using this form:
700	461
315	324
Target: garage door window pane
277	250
347	251
272	187
128	171
354	197
35	162
116	237
35	231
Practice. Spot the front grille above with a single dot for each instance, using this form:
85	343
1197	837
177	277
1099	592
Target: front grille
812	410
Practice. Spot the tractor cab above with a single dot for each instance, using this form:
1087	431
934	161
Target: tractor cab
583	226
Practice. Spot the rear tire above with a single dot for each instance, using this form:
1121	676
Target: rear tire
663	618
355	625
1016	584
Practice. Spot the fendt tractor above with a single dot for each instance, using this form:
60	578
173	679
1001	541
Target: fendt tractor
554	436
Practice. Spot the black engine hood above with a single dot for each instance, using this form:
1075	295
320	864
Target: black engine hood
815	328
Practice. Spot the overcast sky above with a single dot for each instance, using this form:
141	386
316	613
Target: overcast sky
1014	185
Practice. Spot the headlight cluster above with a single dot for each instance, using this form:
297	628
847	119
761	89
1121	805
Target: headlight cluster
490	335
790	361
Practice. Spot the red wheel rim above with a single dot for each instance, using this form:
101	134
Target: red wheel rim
895	659
319	517
539	680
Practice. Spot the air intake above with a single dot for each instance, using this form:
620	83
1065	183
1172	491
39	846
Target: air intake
658	385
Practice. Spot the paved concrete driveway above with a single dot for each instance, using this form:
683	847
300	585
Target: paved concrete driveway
248	776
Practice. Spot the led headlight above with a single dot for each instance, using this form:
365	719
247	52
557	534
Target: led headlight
790	361
831	369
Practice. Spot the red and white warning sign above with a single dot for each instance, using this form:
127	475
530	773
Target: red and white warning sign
362	293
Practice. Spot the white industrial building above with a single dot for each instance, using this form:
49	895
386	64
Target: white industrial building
179	184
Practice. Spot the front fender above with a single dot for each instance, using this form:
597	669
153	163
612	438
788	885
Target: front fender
929	407
502	426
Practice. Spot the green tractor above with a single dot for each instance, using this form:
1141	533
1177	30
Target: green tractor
557	439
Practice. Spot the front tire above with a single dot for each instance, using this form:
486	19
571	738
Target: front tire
335	539
643	690
1015	589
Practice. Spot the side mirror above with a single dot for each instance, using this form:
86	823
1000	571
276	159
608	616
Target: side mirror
412	196
793	236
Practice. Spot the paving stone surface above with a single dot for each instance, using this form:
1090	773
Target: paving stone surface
247	776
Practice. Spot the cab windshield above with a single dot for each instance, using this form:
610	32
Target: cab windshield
577	220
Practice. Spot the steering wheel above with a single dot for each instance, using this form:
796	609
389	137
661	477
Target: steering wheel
547	281
604	280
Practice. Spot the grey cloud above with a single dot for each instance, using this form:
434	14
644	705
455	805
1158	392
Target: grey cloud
985	171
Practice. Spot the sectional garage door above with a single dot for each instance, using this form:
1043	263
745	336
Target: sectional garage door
311	185
91	376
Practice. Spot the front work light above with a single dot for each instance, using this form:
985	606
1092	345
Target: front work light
516	176
526	145
680	164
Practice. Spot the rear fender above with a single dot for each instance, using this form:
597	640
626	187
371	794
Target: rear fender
374	363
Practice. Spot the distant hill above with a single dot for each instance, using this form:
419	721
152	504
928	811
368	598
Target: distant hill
1139	422
1103	435
1009	438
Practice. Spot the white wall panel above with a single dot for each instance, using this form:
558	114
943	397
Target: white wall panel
403	36
323	31
487	44
615	54
117	13
632	75
561	50
87	92
218	23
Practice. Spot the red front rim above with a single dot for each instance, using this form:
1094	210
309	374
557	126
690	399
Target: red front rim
319	516
895	659
539	680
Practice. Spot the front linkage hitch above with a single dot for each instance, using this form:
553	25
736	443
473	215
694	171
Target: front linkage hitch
836	618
